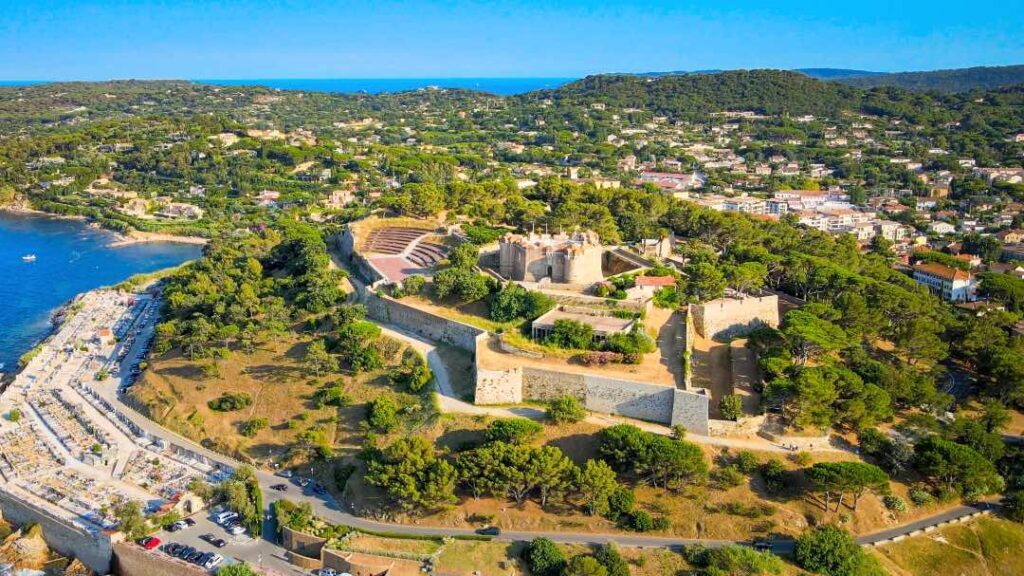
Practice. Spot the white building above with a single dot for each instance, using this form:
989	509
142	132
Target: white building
951	284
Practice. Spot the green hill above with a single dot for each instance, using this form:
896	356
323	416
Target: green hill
693	95
956	80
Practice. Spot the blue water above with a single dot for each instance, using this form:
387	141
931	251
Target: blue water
502	86
71	258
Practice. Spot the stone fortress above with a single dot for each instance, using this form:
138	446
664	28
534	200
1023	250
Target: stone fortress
566	267
560	258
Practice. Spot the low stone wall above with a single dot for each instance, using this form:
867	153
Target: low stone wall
301	543
130	559
390	311
94	550
731	317
749	425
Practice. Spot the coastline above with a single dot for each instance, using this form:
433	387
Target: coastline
140	237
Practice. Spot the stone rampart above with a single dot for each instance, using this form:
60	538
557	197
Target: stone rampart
597	393
431	326
130	559
94	550
731	317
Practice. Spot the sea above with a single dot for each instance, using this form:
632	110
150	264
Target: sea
500	86
71	258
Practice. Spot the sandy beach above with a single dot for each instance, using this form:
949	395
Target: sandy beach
139	237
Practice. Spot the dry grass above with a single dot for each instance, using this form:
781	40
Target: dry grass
175	393
988	547
367	543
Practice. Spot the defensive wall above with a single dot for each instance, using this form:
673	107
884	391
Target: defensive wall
130	559
597	393
94	550
725	318
431	326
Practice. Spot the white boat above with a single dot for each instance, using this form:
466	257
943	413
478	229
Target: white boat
28	258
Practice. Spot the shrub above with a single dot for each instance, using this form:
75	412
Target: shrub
413	284
333	395
251	427
513	430
640	521
600	358
382	414
620	503
803	458
746	462
1013	506
544	558
726	477
895	503
774	474
566	410
515	302
731	406
230	401
921	497
571	334
14	415
609	557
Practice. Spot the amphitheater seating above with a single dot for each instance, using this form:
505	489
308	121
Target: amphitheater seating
393	240
427	254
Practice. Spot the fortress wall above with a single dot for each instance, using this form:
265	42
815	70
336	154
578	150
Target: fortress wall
597	393
95	551
130	559
731	317
425	324
498	386
545	385
690	410
631	399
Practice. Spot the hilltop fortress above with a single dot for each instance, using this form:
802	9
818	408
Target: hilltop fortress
560	258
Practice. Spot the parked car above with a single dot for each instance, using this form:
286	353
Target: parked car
286	473
189	522
219	542
179	525
224	517
149	542
236	530
280	487
489	531
326	572
213	561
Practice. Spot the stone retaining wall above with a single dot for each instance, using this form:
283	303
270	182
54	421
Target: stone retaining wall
130	559
94	550
597	393
431	326
731	317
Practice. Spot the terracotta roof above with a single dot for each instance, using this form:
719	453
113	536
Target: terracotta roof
655	281
944	272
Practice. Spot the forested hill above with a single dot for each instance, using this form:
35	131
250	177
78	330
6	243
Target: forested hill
694	95
957	80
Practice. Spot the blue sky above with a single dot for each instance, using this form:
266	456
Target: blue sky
92	40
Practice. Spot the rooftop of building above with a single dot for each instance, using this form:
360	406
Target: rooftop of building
941	271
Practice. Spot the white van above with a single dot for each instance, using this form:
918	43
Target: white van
225	517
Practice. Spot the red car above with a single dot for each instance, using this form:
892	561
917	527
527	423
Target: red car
149	542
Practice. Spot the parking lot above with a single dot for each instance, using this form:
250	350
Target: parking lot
255	551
